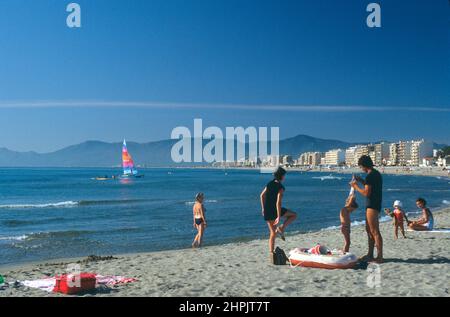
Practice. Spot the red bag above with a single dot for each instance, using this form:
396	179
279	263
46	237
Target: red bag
75	283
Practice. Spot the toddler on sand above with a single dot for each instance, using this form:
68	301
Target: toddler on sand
398	216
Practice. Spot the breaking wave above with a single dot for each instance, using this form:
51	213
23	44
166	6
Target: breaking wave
357	223
14	238
45	205
330	177
71	203
208	201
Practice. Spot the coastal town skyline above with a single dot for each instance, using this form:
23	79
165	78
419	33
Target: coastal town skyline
299	151
408	153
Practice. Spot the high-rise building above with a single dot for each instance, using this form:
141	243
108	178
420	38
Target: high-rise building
419	150
310	159
286	160
272	161
372	152
335	157
393	154
382	153
350	156
361	150
404	153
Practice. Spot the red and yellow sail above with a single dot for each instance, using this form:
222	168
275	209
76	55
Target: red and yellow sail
127	161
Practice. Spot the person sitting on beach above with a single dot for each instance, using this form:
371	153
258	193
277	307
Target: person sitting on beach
199	219
424	223
272	210
398	217
350	206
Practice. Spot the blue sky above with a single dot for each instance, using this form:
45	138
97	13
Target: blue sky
137	69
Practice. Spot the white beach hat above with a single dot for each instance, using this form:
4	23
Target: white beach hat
398	203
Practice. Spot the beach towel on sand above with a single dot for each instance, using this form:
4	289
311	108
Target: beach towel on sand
432	231
113	280
48	284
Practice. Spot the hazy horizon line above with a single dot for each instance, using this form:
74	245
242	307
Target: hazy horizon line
187	105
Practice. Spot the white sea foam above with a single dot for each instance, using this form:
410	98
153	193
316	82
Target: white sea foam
46	205
210	201
357	223
329	177
446	202
14	238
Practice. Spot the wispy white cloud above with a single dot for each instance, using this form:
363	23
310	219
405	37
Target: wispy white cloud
211	106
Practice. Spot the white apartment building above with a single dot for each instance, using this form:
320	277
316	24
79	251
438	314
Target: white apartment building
273	160
360	151
350	156
382	153
409	153
444	161
428	161
419	150
354	153
393	154
404	153
286	160
310	159
335	157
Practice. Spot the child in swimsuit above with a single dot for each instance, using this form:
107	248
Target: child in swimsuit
198	211
350	206
398	217
424	223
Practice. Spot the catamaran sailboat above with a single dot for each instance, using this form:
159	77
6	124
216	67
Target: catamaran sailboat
129	171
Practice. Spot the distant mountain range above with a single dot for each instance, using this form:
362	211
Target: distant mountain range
103	154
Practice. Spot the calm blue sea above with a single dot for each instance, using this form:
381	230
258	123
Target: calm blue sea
56	213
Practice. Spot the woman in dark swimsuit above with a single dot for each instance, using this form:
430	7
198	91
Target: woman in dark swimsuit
199	219
272	210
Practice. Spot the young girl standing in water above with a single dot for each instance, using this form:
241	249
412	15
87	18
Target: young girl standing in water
199	219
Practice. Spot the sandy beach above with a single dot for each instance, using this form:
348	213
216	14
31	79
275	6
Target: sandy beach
417	266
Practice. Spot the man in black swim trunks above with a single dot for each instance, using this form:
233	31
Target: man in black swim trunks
373	187
272	210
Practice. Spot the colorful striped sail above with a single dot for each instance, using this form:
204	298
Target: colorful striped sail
127	161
